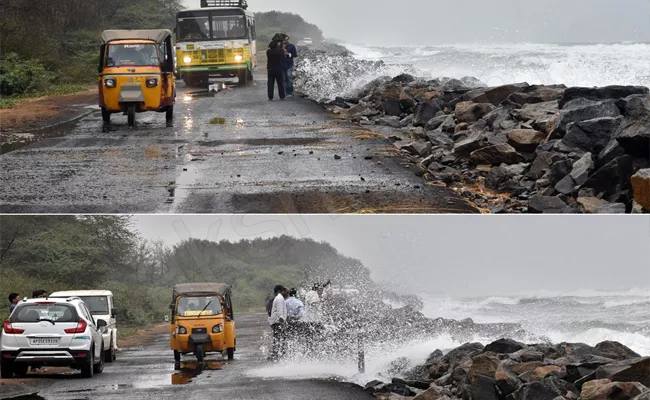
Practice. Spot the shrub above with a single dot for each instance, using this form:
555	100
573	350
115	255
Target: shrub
19	76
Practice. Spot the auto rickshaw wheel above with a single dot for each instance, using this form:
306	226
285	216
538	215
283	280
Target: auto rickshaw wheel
177	360
130	111
231	353
199	352
106	116
169	114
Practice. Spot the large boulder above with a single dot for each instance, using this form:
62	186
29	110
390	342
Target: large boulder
438	138
546	205
483	388
424	112
526	140
604	389
419	148
532	112
536	391
641	188
462	353
602	93
538	94
484	364
504	346
469	112
435	122
494	95
496	155
542	164
616	350
579	110
632	370
506	380
475	141
612	178
634	133
591	135
540	373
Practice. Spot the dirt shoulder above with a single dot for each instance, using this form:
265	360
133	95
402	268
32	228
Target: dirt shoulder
37	113
141	337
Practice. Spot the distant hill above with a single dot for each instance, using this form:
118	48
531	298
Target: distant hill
272	22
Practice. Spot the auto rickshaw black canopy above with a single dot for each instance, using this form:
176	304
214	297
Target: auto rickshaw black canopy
156	35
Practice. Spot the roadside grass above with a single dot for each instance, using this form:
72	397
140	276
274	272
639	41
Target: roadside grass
56	90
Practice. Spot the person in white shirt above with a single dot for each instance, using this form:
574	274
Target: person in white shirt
295	307
278	321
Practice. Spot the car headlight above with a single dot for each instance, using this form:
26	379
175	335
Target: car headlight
239	57
182	330
217	328
187	59
110	82
152	82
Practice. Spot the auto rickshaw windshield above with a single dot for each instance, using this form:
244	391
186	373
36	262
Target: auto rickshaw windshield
198	306
129	55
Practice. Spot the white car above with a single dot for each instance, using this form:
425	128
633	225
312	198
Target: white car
51	332
101	306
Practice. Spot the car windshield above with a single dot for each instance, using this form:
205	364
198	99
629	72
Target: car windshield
199	306
39	312
96	304
130	55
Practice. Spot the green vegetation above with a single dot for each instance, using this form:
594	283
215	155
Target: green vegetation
50	44
272	22
102	252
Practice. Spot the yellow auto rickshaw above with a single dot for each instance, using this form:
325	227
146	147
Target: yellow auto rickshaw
136	73
202	320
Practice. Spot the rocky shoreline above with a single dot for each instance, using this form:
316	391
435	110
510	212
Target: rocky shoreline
506	369
515	148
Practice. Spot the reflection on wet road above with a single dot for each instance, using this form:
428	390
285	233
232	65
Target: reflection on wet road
148	373
230	151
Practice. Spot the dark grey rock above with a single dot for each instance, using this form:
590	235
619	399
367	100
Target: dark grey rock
493	95
612	178
582	169
546	205
566	185
504	346
602	93
612	208
419	148
496	155
579	110
591	135
435	122
612	150
634	132
559	170
438	138
391	121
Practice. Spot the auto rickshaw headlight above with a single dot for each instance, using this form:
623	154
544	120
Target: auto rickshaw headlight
239	57
110	82
152	82
187	59
217	328
182	330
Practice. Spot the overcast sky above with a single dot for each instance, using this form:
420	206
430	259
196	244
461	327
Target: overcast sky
455	255
470	21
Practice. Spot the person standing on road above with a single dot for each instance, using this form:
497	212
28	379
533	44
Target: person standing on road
278	322
295	307
14	298
276	68
290	53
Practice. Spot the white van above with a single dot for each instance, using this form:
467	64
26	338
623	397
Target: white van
101	306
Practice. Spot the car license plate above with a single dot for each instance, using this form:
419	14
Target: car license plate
44	341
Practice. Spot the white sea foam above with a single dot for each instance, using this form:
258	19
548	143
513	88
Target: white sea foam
572	65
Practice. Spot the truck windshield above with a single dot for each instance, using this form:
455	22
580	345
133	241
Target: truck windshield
199	306
96	304
39	312
130	55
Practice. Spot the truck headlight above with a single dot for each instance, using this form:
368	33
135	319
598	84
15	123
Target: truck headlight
217	328
182	330
239	57
152	82
110	82
187	59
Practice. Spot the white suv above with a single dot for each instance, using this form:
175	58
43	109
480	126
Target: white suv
57	332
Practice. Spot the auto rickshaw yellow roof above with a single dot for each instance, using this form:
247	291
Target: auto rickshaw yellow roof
202	288
157	35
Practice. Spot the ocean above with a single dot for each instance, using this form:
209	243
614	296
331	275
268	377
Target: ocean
586	316
497	64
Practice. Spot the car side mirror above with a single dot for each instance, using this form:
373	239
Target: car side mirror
114	312
101	323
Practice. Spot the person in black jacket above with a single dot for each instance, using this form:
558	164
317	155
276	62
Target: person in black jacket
276	66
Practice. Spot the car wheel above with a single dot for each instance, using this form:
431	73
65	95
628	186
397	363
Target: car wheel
99	367
87	365
6	369
20	370
109	355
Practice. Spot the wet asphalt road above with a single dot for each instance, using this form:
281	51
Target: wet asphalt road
257	157
148	373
